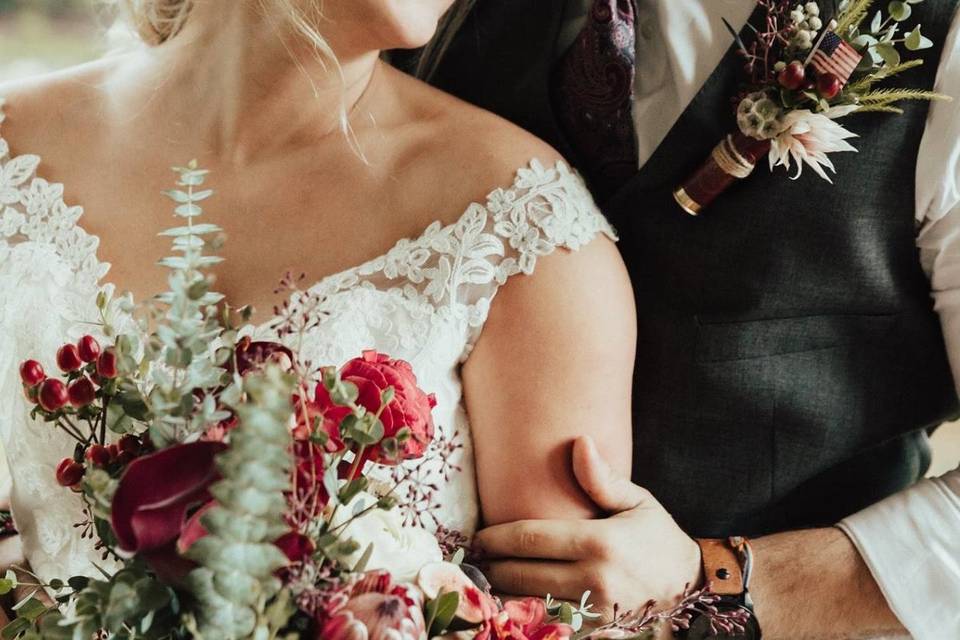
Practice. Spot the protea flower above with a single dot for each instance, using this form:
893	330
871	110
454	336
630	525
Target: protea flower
378	609
808	137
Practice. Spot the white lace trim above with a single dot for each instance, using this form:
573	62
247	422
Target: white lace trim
458	268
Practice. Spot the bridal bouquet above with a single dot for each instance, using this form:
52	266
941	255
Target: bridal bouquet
230	487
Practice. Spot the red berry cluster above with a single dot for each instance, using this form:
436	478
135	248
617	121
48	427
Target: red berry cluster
85	363
70	471
795	76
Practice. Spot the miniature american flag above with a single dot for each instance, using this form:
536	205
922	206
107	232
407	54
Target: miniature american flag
834	55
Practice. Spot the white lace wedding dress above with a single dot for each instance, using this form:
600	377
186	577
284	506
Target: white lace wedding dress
425	301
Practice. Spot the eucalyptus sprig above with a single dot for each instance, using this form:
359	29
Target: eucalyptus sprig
187	321
235	585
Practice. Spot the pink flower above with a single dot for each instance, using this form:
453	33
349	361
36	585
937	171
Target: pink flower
377	610
343	626
809	138
523	620
529	613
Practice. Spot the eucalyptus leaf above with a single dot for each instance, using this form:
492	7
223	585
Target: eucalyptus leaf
916	41
899	11
188	210
889	54
178	196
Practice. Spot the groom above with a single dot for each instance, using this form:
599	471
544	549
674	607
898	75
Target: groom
790	363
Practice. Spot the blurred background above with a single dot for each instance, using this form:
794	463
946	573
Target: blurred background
40	35
43	35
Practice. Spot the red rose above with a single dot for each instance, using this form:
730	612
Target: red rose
408	414
158	491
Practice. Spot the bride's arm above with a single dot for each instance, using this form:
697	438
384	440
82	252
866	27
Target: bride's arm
554	361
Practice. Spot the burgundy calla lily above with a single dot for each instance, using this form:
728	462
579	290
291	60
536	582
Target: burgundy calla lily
157	492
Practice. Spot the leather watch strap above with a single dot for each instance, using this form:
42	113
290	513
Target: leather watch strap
721	567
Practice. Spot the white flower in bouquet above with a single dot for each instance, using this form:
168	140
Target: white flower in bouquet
401	550
808	137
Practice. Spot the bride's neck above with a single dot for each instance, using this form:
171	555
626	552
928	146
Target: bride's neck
241	83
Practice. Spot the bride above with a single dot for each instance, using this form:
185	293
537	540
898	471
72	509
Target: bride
436	232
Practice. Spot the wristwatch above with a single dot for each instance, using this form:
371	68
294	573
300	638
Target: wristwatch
727	565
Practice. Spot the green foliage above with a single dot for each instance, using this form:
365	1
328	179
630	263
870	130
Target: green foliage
130	605
235	583
851	14
186	322
439	613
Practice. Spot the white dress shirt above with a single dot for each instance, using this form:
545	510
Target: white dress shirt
910	541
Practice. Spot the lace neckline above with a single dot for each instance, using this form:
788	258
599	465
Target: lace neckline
18	175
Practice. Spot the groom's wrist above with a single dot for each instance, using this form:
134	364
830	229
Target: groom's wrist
726	567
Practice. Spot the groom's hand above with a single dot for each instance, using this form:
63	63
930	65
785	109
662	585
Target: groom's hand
636	554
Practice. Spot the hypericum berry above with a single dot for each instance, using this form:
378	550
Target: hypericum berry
107	364
129	444
829	85
89	348
793	76
31	373
68	358
53	395
82	392
98	455
114	451
69	473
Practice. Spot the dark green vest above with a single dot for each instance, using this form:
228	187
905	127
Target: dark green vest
790	363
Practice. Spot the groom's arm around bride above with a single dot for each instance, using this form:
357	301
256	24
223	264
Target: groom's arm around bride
797	342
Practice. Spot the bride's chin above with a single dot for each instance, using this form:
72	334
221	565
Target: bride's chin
393	24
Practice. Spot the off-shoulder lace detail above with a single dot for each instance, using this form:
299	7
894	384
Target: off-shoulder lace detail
457	269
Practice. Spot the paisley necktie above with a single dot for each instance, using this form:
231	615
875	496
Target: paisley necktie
592	94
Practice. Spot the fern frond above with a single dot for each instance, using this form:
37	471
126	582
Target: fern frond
879	109
853	15
887	71
886	96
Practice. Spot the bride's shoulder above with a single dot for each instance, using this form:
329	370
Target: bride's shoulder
42	110
471	152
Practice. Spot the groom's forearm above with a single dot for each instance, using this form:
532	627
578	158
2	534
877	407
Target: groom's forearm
814	584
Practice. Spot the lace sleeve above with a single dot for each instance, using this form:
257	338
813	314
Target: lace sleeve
545	209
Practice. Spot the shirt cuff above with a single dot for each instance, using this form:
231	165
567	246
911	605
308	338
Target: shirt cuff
911	543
